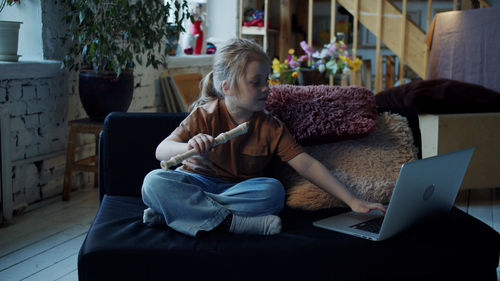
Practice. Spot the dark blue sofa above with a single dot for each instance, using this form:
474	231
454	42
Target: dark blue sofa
119	246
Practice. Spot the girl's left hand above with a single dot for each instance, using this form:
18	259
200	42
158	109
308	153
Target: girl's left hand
361	206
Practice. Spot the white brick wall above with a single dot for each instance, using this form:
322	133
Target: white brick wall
37	108
39	111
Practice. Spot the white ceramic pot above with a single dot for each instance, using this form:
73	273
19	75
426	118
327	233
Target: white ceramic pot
9	37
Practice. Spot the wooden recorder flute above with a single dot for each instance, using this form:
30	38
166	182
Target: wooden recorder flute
220	139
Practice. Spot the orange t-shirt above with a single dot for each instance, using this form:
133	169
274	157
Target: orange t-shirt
243	157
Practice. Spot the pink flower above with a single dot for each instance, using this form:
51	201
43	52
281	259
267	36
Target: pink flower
293	64
303	58
332	49
308	49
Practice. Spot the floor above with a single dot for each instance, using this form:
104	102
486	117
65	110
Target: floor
43	243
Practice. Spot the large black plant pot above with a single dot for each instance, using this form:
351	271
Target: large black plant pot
102	93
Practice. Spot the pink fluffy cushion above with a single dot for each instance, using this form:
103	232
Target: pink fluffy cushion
320	114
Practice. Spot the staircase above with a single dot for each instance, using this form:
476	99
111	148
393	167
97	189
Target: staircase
415	48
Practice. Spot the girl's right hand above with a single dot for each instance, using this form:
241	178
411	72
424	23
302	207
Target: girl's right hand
202	143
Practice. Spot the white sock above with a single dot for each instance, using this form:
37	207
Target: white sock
265	225
151	217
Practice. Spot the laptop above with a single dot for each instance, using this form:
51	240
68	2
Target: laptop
424	188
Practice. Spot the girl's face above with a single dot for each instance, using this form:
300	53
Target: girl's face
253	88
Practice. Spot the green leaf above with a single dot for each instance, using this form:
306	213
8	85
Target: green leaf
110	34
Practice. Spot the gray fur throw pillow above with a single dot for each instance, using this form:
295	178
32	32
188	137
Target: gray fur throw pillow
368	166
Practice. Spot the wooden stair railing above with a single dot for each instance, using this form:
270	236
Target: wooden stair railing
390	71
390	34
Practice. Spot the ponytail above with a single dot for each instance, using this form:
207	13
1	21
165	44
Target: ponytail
208	91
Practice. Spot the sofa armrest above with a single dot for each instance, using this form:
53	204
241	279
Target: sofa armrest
127	149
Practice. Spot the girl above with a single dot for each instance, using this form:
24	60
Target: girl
224	187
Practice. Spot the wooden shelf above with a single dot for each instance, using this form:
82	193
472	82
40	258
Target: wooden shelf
256	30
253	30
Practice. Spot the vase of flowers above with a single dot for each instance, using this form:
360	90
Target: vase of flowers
9	35
315	65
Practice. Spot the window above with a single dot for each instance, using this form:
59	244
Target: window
30	45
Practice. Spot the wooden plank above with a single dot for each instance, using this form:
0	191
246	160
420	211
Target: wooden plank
253	30
427	48
333	18
355	29
285	36
266	23
33	227
45	231
189	87
464	5
179	104
167	94
429	14
59	270
240	28
44	245
378	62
42	261
28	224
355	74
72	276
402	56
390	71
367	74
91	160
483	4
310	8
47	239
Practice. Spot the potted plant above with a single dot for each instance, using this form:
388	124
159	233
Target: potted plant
107	38
9	35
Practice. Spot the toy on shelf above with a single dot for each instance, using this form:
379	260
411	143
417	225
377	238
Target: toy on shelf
198	34
253	17
188	43
211	49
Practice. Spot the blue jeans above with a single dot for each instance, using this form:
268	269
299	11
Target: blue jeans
192	202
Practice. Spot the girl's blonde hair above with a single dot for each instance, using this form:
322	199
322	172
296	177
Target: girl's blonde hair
229	65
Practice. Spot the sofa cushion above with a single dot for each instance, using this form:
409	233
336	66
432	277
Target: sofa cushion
368	166
441	96
320	114
119	246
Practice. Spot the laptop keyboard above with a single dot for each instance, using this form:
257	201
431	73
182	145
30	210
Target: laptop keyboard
372	225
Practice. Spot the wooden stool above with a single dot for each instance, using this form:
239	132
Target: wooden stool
89	164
